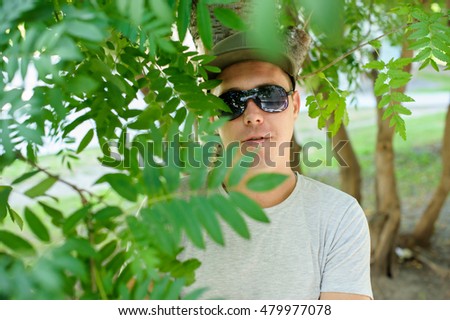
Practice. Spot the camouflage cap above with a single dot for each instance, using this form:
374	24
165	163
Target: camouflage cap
231	46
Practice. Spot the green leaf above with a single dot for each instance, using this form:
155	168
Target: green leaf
400	127
86	140
151	178
73	220
434	65
379	65
25	176
31	135
16	243
229	18
164	95
401	97
171	106
184	16
84	30
136	10
387	113
107	213
212	69
425	63
122	184
422	55
15	217
107	250
207	217
248	206
82	84
229	213
398	74
423	42
384	101
419	15
198	176
41	187
190	223
441	45
399	63
56	215
67	49
441	56
239	170
4	195
204	58
162	10
419	33
375	43
401	109
204	25
36	225
217	175
419	25
265	181
380	86
398	82
81	246
70	265
210	84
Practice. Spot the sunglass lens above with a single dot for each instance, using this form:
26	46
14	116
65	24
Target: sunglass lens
272	98
233	100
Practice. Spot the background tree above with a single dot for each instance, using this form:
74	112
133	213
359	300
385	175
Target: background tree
92	60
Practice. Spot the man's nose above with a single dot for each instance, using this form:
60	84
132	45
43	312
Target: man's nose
253	115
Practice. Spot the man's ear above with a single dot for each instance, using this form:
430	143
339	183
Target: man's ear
296	103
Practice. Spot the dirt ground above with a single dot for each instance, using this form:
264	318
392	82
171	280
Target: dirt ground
426	277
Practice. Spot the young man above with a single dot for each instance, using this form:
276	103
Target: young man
317	243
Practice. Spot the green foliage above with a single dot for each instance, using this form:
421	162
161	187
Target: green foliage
390	77
92	59
429	36
329	107
347	53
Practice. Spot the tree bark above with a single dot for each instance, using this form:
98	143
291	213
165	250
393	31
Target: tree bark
295	151
387	200
425	227
350	171
386	224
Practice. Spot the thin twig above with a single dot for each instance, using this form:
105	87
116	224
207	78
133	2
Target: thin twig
80	191
338	59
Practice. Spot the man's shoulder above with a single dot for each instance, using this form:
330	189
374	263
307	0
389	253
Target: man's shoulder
328	204
324	192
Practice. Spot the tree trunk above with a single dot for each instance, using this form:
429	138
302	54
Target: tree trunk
386	224
350	171
387	200
349	168
295	151
425	227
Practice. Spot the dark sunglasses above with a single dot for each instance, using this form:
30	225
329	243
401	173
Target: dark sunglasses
269	98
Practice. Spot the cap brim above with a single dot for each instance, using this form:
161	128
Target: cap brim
241	55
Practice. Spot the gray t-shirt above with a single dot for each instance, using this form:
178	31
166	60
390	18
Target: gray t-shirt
317	241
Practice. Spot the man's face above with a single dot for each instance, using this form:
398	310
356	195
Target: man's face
255	128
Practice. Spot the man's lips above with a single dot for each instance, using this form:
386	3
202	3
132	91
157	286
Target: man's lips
256	139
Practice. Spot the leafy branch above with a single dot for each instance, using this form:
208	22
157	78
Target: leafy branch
340	58
56	178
